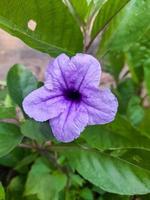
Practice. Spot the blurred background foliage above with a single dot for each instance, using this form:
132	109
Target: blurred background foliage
109	162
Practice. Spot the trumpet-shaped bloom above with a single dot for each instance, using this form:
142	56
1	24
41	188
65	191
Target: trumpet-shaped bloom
71	98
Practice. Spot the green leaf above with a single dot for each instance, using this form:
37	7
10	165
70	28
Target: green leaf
41	132
111	65
7	112
109	196
127	27
86	194
145	197
15	188
119	134
135	111
125	90
137	157
76	180
79	9
13	158
44	183
109	173
144	125
3	94
21	166
136	57
56	30
20	82
2	192
10	137
147	75
84	11
109	9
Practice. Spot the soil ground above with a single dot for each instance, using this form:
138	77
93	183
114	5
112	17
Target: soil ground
13	50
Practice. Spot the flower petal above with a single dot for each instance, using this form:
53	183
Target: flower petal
89	70
70	123
101	105
57	71
42	104
77	72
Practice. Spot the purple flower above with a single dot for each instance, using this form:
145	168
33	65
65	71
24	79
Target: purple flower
71	98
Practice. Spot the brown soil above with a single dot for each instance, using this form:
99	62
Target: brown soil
13	50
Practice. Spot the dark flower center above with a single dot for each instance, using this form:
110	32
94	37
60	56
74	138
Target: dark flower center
72	95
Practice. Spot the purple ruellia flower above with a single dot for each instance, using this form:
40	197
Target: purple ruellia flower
71	98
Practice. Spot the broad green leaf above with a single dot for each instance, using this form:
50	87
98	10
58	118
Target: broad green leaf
127	27
137	157
20	82
135	111
2	192
109	9
119	134
10	137
44	183
109	173
41	132
147	75
55	31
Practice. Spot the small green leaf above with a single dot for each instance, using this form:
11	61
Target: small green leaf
10	137
2	192
20	166
147	75
13	158
41	132
7	112
76	180
84	11
86	194
3	94
20	82
44	183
